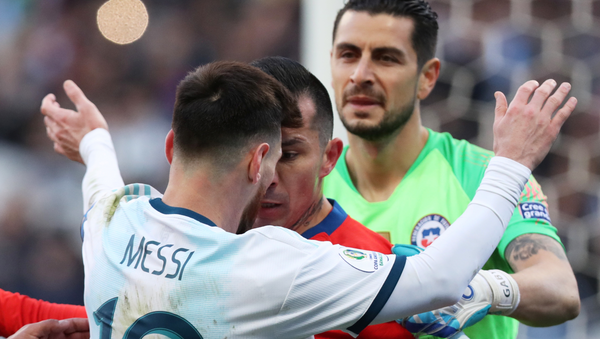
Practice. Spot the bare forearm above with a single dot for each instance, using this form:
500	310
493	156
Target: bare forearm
549	293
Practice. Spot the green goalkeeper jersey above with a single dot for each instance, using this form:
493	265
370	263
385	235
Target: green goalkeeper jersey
433	194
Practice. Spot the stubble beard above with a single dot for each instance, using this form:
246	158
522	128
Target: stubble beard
391	124
305	218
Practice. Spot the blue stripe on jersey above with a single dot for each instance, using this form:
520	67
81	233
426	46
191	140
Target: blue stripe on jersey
147	191
82	232
163	208
332	221
382	297
127	193
136	189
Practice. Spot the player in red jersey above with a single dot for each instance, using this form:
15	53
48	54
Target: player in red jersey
18	310
77	328
294	200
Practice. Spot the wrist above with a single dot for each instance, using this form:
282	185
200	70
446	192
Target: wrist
505	292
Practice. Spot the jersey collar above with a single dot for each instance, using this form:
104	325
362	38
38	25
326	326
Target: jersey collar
332	221
163	208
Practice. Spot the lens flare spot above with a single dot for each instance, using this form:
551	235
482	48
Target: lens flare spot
122	21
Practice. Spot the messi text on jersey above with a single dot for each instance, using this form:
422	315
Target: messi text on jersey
172	268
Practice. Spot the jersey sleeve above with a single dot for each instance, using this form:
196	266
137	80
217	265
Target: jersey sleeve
101	212
355	287
102	169
328	286
18	310
530	216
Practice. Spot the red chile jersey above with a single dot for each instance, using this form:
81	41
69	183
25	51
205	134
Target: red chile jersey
18	310
339	228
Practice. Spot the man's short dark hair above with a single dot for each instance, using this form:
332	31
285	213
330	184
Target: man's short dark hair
223	107
424	35
300	82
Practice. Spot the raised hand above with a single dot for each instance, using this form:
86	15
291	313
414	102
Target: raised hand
525	130
66	127
77	328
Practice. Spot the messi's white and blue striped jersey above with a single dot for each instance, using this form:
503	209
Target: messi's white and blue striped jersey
155	269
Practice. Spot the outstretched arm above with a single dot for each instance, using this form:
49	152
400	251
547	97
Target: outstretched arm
18	310
523	132
82	136
549	293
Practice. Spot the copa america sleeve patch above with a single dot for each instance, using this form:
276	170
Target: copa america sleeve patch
534	210
365	261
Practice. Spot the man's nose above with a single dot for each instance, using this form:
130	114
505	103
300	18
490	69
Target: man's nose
363	73
275	181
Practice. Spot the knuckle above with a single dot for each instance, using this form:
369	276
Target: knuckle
529	111
527	88
554	101
544	90
88	105
541	123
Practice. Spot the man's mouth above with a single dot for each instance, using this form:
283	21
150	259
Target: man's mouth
363	101
269	205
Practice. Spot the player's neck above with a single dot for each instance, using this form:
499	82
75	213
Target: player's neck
378	167
219	198
325	208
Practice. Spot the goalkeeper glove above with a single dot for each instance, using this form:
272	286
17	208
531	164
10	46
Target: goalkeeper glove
490	292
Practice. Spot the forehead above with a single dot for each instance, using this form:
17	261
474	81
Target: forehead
371	31
308	110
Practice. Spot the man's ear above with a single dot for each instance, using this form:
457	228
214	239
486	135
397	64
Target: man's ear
169	146
258	155
428	77
333	151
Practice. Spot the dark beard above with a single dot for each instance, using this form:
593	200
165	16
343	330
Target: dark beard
391	123
251	212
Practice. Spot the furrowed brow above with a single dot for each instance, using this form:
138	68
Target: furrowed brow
347	46
291	142
390	50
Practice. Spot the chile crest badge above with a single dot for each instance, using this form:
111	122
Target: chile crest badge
427	229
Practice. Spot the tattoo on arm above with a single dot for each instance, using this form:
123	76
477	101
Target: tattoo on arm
528	245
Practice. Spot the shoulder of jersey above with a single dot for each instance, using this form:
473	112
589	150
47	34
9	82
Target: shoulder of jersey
284	236
461	154
111	200
450	144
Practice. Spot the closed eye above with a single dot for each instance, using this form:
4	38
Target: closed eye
388	58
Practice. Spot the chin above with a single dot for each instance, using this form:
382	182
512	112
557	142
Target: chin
366	119
276	216
266	221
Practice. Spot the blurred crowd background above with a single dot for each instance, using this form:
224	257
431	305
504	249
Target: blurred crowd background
485	45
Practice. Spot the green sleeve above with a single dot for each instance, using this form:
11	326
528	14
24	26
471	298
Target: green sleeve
519	225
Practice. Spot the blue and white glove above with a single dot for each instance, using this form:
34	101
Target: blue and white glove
490	292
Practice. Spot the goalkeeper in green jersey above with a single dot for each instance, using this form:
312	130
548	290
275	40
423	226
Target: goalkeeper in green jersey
410	183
